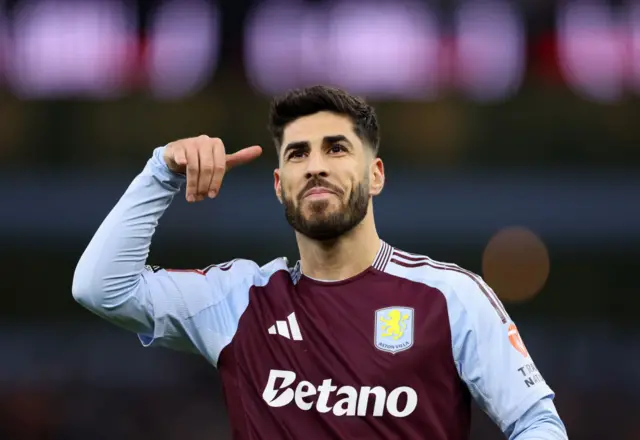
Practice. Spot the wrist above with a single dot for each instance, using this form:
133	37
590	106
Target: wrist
161	170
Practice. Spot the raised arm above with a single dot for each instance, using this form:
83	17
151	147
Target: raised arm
112	279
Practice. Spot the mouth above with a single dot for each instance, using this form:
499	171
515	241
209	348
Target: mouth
318	193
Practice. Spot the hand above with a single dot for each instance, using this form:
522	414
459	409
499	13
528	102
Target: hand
204	161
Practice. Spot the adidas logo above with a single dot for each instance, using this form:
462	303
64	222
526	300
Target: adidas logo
288	329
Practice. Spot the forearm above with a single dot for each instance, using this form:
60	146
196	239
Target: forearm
540	422
108	276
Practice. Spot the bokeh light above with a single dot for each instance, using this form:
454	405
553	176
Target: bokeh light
591	48
183	49
516	264
69	48
490	53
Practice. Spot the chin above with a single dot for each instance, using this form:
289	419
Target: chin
320	209
326	203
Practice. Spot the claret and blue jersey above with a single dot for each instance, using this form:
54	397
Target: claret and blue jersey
397	351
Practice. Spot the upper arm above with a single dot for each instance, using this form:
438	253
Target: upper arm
490	355
187	310
196	310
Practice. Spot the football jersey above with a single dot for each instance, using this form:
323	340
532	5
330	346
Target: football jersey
397	351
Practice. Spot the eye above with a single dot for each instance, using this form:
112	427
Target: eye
296	154
337	148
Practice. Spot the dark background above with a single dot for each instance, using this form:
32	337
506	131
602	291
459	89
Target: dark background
511	142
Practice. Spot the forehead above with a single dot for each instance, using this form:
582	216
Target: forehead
313	128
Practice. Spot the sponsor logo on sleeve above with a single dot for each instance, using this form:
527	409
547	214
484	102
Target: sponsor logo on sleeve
531	375
516	340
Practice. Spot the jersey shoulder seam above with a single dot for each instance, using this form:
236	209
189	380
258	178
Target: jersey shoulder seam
452	273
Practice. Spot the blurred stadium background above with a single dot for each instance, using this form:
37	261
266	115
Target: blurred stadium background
511	135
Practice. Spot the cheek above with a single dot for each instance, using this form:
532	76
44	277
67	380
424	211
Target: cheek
287	187
358	181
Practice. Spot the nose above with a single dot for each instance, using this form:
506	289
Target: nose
316	165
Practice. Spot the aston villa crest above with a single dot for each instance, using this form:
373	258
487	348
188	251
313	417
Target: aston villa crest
394	329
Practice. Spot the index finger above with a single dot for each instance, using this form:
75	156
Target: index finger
243	156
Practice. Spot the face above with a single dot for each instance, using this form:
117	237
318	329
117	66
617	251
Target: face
327	176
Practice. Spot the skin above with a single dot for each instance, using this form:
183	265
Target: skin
204	161
320	152
343	165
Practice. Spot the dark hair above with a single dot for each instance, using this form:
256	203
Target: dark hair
303	102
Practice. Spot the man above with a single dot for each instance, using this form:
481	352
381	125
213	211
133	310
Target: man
359	339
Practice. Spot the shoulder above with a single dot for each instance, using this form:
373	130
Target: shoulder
247	266
238	270
462	288
252	271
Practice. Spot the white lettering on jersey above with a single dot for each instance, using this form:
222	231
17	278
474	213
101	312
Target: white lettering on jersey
352	402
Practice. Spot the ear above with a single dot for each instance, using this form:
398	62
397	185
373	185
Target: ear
277	184
376	176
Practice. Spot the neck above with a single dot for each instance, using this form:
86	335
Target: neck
342	258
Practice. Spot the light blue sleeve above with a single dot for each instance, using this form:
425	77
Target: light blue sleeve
540	422
196	311
493	361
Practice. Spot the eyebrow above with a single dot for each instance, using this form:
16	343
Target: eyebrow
325	140
335	138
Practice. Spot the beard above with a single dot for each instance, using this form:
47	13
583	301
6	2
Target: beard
322	225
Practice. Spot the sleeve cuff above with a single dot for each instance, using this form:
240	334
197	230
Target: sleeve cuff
530	399
158	167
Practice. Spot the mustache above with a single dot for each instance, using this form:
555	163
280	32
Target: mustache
318	182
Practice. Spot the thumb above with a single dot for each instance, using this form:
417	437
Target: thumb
243	156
